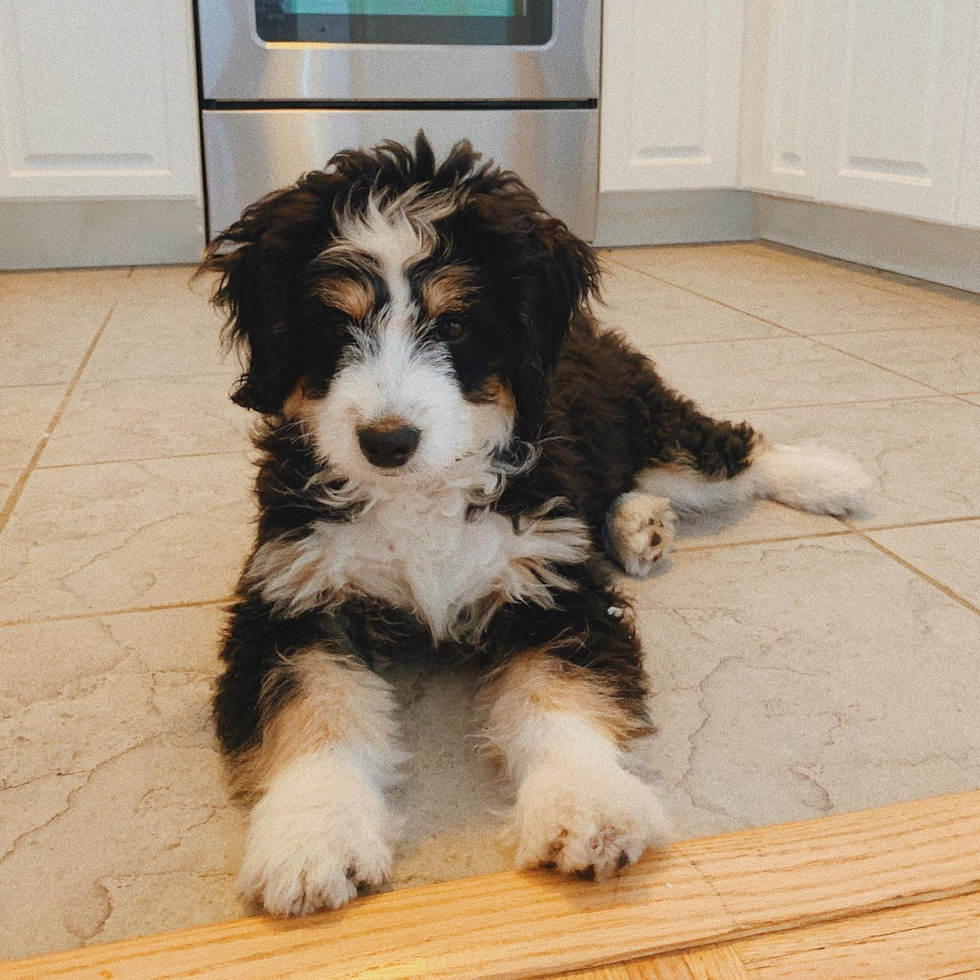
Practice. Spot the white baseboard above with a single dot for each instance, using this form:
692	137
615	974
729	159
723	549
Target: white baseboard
52	234
937	253
675	217
55	234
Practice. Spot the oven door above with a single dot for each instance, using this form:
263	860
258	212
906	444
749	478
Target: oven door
398	51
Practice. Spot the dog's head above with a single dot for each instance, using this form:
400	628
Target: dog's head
405	314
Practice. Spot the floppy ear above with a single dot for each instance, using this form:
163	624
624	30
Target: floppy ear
258	258
569	274
563	277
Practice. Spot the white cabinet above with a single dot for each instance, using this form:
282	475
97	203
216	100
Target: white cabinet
860	103
780	142
968	202
896	99
670	94
98	99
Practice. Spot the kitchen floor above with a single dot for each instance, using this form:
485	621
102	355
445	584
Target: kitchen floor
801	665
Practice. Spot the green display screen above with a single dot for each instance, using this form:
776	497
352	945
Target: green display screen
406	8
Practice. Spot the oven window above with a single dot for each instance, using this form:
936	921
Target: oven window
469	22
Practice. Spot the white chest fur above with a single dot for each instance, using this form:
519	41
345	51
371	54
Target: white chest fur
419	553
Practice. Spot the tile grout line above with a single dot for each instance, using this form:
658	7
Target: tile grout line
15	494
932	522
817	535
143	459
65	617
709	299
935	583
846	529
37	384
864	360
790	330
856	401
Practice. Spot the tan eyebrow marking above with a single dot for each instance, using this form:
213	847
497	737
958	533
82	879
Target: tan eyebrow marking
447	290
353	296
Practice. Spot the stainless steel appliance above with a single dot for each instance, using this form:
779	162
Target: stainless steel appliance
287	83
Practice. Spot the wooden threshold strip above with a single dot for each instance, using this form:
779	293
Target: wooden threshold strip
701	893
926	941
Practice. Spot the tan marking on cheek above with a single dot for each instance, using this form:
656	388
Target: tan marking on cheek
296	405
353	296
539	681
302	409
494	411
447	290
334	700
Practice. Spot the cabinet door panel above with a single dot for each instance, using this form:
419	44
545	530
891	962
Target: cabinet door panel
896	99
782	122
968	204
98	99
671	94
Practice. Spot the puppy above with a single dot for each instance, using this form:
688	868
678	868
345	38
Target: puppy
450	445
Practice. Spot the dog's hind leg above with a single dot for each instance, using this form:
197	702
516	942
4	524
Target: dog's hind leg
807	477
718	465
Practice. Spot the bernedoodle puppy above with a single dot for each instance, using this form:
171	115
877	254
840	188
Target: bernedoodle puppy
451	449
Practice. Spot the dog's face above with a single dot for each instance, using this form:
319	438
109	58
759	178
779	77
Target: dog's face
404	315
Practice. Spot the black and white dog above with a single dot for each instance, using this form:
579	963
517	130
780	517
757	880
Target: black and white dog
450	446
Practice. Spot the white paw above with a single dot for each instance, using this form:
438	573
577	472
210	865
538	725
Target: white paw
314	844
813	478
591	824
640	529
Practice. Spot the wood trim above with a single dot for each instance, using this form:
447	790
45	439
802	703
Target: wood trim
917	942
510	926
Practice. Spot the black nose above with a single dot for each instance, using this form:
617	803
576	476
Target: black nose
387	447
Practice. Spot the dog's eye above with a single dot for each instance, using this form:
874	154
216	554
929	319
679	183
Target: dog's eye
451	329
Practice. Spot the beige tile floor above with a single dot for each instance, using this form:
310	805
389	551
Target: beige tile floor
801	665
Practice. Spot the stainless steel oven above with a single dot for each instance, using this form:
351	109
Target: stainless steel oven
286	83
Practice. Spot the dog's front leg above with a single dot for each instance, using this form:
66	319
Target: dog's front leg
561	713
322	754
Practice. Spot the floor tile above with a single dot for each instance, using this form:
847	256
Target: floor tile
124	535
800	294
25	414
950	553
73	286
855	674
921	290
172	283
780	696
755	521
948	357
973	398
454	799
118	420
650	312
114	810
742	375
684	259
43	342
921	453
163	339
8	480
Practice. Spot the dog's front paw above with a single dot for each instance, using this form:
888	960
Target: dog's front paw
307	852
590	824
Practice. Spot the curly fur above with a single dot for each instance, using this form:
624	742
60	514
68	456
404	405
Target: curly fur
390	290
